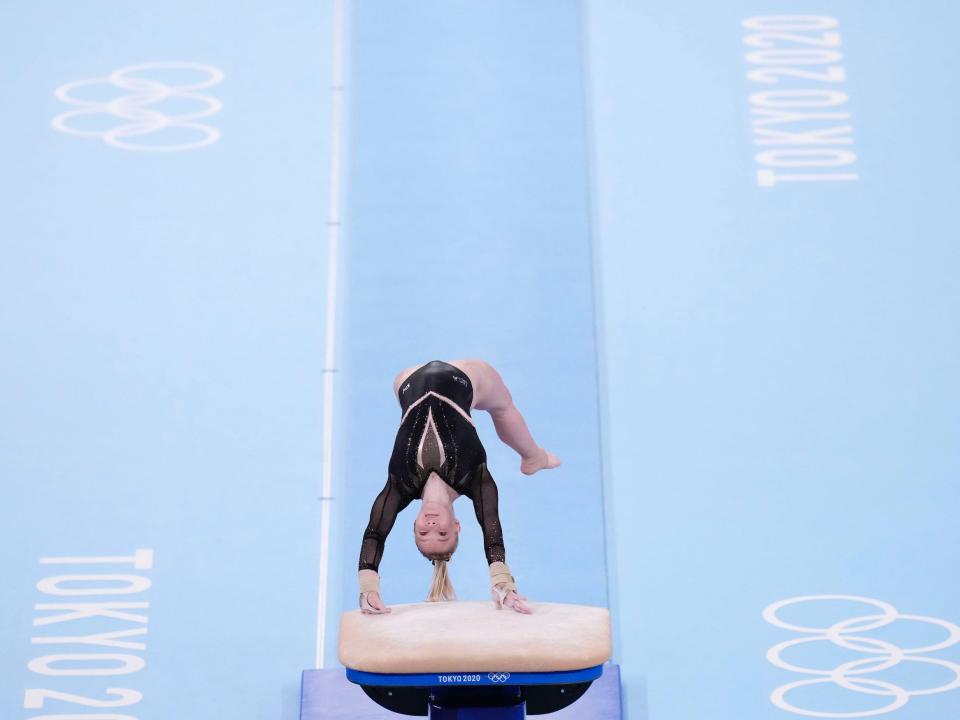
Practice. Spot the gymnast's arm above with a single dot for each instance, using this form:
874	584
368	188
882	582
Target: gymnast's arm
387	505
483	492
491	394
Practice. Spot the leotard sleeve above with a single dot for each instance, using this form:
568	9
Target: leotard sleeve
483	492
386	506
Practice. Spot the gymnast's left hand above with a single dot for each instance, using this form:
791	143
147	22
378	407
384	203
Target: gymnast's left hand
503	598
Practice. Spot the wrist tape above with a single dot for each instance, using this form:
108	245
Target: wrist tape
369	582
500	574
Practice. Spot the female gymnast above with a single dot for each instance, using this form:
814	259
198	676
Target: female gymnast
437	457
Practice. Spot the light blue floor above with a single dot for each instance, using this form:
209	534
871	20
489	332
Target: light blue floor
163	324
780	365
753	390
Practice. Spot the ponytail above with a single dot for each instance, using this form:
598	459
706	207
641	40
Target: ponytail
441	589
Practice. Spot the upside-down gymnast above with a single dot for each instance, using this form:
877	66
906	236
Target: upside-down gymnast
437	457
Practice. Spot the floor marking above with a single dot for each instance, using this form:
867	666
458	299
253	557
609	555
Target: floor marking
333	233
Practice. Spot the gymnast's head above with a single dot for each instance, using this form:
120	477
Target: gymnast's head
436	532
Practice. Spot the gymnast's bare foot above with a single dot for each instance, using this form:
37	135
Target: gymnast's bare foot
543	460
371	604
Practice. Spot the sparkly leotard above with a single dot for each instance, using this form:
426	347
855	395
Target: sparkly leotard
436	435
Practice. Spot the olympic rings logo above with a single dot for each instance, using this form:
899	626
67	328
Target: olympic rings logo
845	634
133	108
499	677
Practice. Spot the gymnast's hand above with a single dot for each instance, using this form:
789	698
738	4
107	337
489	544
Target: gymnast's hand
542	460
509	598
371	604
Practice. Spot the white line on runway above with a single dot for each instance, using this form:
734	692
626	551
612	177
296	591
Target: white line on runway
333	233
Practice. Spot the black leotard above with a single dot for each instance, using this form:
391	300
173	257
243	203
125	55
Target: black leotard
436	434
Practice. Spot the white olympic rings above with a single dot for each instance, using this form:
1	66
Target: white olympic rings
889	655
498	677
133	107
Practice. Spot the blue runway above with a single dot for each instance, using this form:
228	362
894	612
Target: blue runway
467	239
710	249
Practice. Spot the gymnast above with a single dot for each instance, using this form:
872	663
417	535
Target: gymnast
437	457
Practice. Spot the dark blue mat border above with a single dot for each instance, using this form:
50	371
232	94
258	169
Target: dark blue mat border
564	677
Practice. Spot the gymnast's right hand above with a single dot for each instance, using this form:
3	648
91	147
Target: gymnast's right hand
371	604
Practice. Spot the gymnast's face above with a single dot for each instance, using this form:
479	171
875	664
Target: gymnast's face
435	528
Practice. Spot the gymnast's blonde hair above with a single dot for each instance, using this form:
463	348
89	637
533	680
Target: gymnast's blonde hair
441	588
